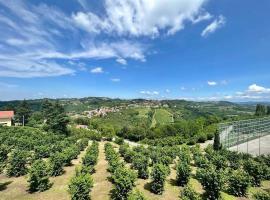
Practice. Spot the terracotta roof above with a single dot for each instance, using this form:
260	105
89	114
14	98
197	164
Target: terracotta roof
6	114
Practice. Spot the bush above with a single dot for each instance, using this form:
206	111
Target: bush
212	181
124	181
261	195
39	176
238	183
159	174
255	170
17	163
80	186
141	163
183	171
56	164
3	153
136	195
189	194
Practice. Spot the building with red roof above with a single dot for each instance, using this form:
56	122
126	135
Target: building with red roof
6	118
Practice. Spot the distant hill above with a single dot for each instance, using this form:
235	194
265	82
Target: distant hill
178	108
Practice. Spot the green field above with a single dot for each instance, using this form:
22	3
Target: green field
161	116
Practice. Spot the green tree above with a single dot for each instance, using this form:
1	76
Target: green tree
268	110
238	183
212	181
80	186
55	117
140	163
17	163
260	110
136	195
159	174
39	176
189	193
56	164
217	145
256	170
124	181
23	112
183	171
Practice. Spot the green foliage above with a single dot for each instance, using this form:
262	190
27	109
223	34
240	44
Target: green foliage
263	195
238	182
56	164
183	171
268	110
124	181
39	176
212	181
189	193
158	175
23	112
17	163
55	117
140	163
260	110
217	145
80	186
91	156
136	195
3	153
256	170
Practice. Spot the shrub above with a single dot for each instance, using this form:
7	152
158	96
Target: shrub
3	153
255	170
159	174
124	181
17	163
141	163
261	195
39	176
183	173
56	164
119	140
238	183
91	155
80	186
136	195
212	181
189	193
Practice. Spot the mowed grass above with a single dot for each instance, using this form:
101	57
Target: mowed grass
161	116
143	112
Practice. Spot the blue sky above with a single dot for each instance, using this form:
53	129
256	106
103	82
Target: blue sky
175	49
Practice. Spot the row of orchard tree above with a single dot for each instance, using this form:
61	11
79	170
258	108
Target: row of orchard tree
81	184
217	170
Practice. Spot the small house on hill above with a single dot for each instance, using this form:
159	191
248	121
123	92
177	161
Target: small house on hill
6	118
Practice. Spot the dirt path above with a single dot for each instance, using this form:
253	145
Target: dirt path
16	188
102	187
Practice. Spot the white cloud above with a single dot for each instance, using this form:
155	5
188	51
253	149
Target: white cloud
115	80
7	85
254	88
211	83
216	24
167	91
150	93
97	70
121	61
142	17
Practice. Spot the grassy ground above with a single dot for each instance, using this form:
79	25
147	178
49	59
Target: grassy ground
102	187
161	116
17	188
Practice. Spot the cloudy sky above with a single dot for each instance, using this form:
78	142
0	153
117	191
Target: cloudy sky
185	49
